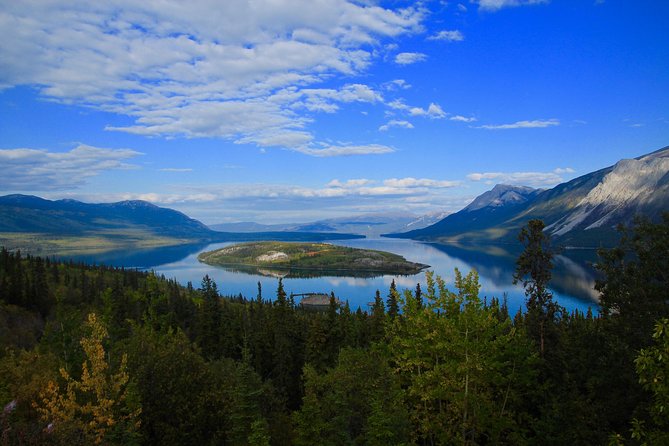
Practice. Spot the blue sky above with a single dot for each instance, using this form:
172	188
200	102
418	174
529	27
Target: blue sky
291	111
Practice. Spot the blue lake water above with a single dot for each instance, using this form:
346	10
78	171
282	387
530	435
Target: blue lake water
572	284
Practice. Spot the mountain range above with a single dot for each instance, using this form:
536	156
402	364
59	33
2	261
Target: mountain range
42	226
369	225
583	212
26	213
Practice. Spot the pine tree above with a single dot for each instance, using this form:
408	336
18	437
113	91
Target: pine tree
378	318
393	298
533	270
210	319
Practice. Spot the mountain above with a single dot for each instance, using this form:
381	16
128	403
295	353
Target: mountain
488	210
24	213
369	225
47	227
582	212
502	195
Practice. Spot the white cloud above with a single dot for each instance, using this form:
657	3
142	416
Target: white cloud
460	118
203	69
562	170
448	36
534	179
433	111
396	123
537	124
422	182
350	183
409	58
42	170
496	5
327	151
397	84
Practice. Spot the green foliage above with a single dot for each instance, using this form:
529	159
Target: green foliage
652	365
356	402
460	365
97	408
442	369
635	290
533	270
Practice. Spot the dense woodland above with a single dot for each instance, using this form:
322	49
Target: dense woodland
99	355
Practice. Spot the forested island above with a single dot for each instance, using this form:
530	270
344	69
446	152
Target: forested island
99	355
312	257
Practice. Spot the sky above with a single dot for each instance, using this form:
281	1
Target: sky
279	111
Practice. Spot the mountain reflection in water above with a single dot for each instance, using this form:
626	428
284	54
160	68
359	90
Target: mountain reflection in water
573	273
573	278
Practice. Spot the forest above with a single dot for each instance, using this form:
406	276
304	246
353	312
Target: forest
92	354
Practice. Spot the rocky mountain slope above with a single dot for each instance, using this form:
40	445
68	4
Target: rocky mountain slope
582	212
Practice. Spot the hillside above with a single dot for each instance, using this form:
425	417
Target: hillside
581	212
41	226
24	213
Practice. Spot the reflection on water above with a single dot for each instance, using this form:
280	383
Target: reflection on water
572	284
298	273
571	276
142	258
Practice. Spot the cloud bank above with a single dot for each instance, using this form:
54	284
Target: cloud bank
235	70
41	170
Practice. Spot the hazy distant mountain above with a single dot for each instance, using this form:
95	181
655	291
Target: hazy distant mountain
370	225
426	220
581	212
248	226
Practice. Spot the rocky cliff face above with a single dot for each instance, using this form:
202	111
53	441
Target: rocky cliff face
634	186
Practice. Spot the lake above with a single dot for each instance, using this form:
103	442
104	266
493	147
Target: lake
572	284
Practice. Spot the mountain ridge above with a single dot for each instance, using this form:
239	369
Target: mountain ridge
34	224
581	212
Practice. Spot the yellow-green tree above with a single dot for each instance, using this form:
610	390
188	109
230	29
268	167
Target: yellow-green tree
97	408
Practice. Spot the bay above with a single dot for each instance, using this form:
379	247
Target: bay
572	284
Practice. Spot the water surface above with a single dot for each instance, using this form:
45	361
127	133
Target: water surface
572	284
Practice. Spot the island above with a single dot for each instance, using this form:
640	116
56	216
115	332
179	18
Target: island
310	257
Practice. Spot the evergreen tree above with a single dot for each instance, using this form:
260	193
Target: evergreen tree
393	298
377	319
635	289
533	270
210	319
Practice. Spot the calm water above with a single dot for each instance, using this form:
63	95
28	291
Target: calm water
572	285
